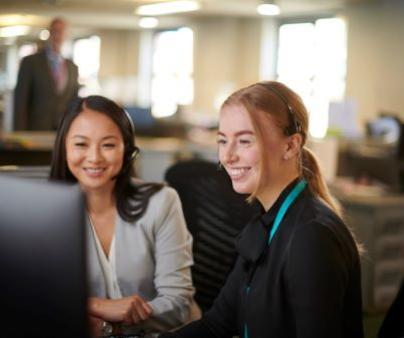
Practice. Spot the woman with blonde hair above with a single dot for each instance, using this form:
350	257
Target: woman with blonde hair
298	271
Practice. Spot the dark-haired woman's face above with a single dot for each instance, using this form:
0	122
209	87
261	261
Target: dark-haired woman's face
94	151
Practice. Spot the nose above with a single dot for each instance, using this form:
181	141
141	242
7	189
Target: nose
229	154
94	154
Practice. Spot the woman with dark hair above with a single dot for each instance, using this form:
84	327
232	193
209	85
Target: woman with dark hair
298	271
139	250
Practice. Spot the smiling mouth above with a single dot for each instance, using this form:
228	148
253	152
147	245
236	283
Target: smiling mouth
237	173
94	171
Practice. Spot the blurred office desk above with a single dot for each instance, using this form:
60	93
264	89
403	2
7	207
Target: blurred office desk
26	148
156	154
377	220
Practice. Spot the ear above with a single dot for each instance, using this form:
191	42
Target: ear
293	146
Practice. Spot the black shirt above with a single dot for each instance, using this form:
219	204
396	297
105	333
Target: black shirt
305	284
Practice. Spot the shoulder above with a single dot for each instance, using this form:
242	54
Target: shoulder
29	59
160	202
323	235
165	196
71	64
317	222
164	212
312	211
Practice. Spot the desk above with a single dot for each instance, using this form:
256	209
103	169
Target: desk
24	156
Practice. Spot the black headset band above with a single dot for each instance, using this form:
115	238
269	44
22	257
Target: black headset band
294	126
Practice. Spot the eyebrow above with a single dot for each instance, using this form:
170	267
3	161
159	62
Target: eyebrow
85	137
241	132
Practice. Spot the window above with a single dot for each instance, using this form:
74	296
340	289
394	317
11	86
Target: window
27	49
86	55
312	61
172	78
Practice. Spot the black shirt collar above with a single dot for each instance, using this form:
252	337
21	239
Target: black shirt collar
257	231
267	218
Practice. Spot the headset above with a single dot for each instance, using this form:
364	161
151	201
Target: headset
294	126
136	150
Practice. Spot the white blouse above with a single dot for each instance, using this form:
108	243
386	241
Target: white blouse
108	266
150	257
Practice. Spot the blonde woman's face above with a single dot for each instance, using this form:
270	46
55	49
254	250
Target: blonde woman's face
239	150
250	168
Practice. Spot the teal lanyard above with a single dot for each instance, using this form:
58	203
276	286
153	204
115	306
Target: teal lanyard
297	189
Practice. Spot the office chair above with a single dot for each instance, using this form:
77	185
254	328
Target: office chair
215	215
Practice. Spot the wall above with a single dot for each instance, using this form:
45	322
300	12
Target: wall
119	52
226	58
375	73
119	64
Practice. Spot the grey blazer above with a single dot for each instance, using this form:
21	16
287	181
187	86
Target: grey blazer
153	260
37	105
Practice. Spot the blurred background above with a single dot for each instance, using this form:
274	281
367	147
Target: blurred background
172	64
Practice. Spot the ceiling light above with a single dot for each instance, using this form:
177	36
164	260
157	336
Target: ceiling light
11	31
21	19
44	35
168	7
148	22
268	8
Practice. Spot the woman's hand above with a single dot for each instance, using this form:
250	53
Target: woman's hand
129	310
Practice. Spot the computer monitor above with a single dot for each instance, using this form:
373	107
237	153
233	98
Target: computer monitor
42	259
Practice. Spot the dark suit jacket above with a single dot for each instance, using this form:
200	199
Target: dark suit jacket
37	105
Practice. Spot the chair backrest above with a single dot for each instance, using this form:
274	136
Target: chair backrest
215	215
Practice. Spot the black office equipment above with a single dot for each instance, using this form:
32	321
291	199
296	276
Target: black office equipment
215	215
393	325
379	157
42	259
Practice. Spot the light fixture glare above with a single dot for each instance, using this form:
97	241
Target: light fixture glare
11	31
268	9
168	7
44	35
148	22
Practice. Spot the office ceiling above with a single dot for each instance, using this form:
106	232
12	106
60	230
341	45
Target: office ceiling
119	13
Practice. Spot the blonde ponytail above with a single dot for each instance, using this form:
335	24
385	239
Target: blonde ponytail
311	171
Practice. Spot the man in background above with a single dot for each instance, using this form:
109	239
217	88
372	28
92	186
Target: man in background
46	84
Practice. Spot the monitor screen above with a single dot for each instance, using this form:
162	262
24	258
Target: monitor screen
42	259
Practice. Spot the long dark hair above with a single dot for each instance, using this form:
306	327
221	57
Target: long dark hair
131	199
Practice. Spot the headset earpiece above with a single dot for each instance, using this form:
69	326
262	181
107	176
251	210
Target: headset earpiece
135	153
